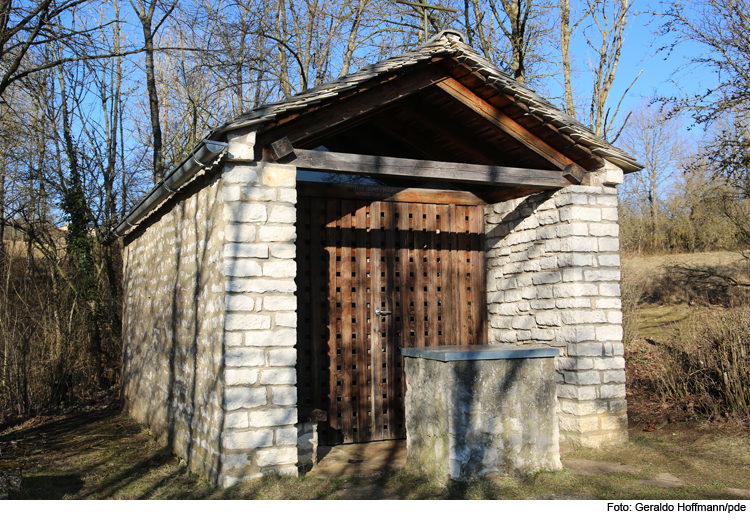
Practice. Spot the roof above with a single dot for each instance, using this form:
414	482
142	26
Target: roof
446	44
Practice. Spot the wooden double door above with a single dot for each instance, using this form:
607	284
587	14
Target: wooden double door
373	277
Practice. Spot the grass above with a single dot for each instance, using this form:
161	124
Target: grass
104	455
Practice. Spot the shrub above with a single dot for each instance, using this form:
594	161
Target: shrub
709	364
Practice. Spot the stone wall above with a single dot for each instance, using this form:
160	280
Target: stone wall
173	315
210	317
467	419
553	278
261	322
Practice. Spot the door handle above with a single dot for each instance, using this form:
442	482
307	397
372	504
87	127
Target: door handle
378	311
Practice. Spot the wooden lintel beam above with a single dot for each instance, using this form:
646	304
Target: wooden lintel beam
497	118
511	194
433	170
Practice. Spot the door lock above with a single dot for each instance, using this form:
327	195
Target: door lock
378	311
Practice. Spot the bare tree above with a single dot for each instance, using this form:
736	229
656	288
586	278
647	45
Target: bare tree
145	13
656	139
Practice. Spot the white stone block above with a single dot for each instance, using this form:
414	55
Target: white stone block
286	436
566	197
609	289
286	319
284	251
278	376
574	334
576	392
614	317
244	397
572	275
282	214
522	322
608	303
584	349
278	175
609	244
246	440
239	173
609	261
580	214
604	230
548	319
575	260
280	303
273	417
250	213
587	377
240	376
574	302
260	286
542	334
574	363
246	321
547	278
288	195
609	214
282	357
245	357
280	268
246	251
277	233
284	395
598	275
239	233
277	337
610	363
236	420
583	316
239	303
574	290
242	268
614	376
609	333
612	391
276	457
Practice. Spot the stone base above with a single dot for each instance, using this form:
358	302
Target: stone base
466	419
307	446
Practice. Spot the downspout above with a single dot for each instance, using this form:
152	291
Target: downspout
201	157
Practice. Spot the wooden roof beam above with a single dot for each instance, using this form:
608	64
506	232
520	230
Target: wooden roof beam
351	108
498	119
429	170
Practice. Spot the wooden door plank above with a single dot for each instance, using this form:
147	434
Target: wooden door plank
332	232
478	305
463	271
317	299
391	321
345	376
362	391
404	304
433	331
418	282
376	343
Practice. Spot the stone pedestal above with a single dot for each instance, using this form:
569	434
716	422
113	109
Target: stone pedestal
473	411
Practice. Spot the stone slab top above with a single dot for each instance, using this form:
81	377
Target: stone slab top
479	352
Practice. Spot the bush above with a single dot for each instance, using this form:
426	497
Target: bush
708	366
